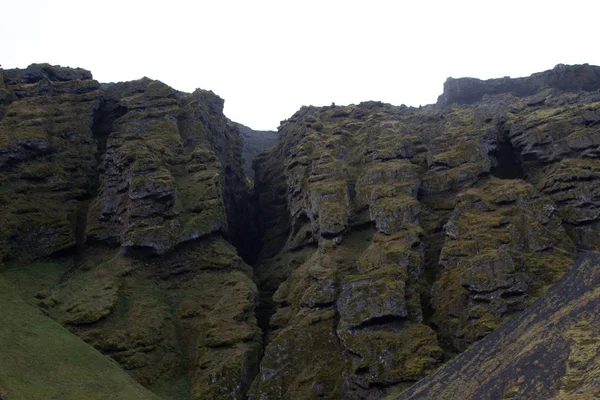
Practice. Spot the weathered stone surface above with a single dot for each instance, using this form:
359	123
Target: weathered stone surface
574	186
142	169
47	160
504	245
153	196
366	300
549	351
37	72
453	215
569	78
385	357
347	194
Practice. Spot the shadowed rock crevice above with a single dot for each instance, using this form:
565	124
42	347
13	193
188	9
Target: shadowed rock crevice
103	119
254	143
507	162
106	114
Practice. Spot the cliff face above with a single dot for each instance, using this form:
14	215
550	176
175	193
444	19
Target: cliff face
401	220
136	192
46	158
573	78
386	239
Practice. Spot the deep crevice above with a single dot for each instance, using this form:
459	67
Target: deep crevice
101	126
106	114
507	162
390	321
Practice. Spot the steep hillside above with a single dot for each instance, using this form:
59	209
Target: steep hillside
376	244
42	360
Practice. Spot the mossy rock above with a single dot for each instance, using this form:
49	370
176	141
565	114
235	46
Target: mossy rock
389	358
302	361
504	246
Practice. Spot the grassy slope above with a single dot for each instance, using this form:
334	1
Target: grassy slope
39	359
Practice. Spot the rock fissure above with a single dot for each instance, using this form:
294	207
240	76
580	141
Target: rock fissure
507	163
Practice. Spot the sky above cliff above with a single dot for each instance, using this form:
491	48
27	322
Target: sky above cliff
268	58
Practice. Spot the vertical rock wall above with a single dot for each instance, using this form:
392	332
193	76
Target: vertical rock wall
401	220
152	180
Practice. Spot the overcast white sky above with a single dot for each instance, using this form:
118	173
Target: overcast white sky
268	58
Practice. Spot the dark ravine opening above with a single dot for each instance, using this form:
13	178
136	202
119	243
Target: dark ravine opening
265	307
258	248
507	162
102	122
106	114
246	235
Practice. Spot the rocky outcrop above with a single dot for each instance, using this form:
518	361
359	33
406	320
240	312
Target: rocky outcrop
574	78
47	163
164	179
504	245
549	351
403	219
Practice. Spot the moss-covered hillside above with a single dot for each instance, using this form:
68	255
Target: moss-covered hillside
375	243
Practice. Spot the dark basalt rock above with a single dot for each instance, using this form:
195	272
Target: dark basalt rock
546	352
449	215
574	78
38	72
254	143
106	179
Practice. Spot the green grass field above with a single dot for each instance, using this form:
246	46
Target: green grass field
39	359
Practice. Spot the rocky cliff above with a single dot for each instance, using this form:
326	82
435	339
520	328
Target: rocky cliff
136	193
383	240
413	233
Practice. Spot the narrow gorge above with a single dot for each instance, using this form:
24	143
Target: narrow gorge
366	251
